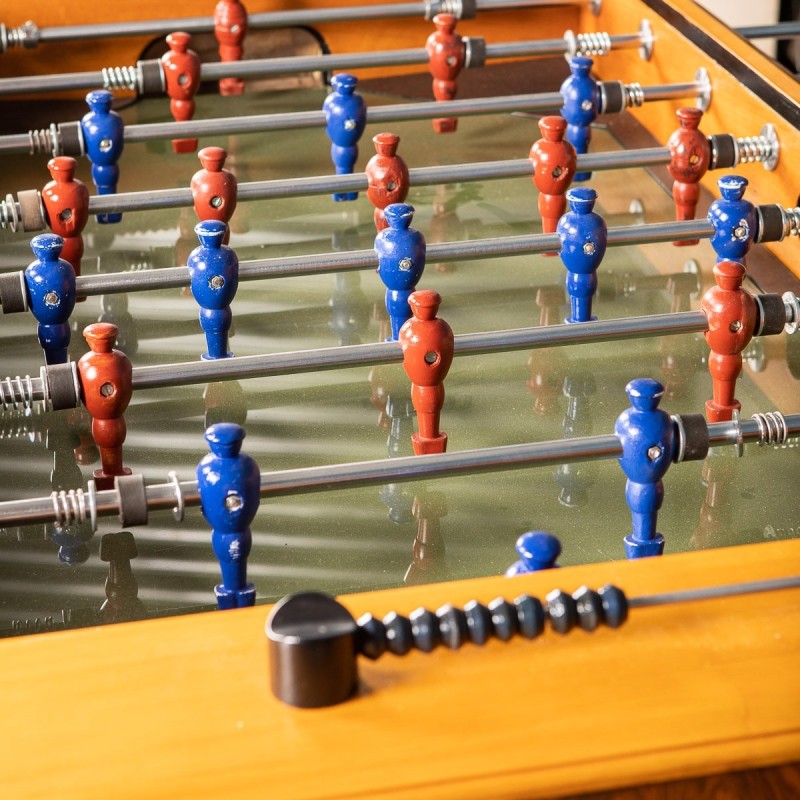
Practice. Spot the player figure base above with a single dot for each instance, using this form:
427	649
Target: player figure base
103	481
717	412
235	598
571	321
580	177
638	548
345	197
445	125
207	357
686	243
184	145
425	446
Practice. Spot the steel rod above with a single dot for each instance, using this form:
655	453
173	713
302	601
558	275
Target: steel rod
270	19
297	362
378	472
352	260
400	112
292	64
782	30
713	592
325	184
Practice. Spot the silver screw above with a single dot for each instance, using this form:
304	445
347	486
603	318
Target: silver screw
233	502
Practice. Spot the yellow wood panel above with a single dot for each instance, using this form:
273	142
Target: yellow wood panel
182	708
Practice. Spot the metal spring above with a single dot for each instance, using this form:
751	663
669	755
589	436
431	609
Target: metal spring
16	392
772	428
754	149
45	140
35	625
634	95
25	35
70	507
120	78
9	213
792	221
434	7
593	44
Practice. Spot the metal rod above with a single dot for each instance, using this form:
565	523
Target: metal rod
325	184
353	260
782	30
297	362
270	19
292	64
378	472
714	592
401	112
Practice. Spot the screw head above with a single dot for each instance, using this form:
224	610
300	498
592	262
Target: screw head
233	502
655	452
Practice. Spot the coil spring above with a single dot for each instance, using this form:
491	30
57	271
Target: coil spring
25	35
593	44
16	392
45	140
120	78
634	95
9	214
22	627
772	428
434	7
792	221
754	149
70	507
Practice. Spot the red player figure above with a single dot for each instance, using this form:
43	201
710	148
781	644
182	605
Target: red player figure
66	201
554	163
387	176
731	313
690	155
427	343
106	391
230	27
446	53
214	188
182	73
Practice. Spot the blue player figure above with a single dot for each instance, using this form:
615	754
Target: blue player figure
50	281
734	220
401	261
103	135
214	273
647	436
581	106
583	237
345	119
537	550
229	483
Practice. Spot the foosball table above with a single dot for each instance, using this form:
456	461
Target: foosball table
597	256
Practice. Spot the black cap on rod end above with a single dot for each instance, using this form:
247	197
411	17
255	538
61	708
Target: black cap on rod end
312	650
